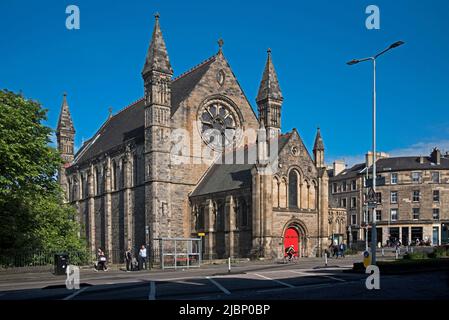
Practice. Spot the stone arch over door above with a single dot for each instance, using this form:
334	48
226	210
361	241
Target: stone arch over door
299	227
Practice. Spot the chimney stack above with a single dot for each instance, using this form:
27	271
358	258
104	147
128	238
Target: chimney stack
338	166
436	156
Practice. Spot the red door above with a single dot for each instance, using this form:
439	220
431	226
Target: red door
291	237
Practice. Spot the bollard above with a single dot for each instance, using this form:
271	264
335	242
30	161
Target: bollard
325	259
396	254
229	265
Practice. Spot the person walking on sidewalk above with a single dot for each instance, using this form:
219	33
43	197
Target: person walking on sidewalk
128	259
142	257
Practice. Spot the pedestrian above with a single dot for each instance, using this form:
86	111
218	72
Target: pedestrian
342	249
101	263
142	257
335	248
128	259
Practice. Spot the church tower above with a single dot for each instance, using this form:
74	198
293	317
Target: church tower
269	100
318	150
157	74
65	135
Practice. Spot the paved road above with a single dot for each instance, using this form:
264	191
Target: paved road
305	280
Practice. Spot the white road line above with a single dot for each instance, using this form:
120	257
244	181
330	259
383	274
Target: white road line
275	280
219	286
317	275
152	294
77	292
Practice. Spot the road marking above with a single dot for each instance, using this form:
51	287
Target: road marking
77	292
275	280
152	294
219	286
317	275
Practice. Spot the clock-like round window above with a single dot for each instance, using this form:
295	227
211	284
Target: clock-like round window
219	124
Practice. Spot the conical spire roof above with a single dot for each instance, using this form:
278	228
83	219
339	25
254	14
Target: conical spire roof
269	86
157	56
319	145
65	119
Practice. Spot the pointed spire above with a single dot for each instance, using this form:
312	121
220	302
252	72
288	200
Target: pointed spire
269	86
319	145
65	119
157	56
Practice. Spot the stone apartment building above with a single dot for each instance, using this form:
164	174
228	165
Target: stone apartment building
128	189
412	197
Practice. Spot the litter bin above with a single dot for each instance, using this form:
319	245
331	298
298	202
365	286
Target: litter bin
61	263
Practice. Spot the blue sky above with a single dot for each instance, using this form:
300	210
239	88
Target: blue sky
99	65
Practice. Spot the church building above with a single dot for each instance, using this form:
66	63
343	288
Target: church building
132	182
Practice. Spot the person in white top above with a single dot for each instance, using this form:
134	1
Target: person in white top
142	257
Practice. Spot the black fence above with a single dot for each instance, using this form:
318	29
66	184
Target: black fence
39	260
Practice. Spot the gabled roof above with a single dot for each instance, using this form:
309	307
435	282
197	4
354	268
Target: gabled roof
129	123
126	125
226	177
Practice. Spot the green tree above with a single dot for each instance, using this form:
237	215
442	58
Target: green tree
32	213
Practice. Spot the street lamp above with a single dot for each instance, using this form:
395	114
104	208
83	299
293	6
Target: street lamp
373	59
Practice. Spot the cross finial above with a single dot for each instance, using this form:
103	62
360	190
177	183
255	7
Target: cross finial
269	50
220	44
157	15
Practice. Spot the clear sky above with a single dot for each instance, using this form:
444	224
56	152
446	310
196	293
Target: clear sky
99	65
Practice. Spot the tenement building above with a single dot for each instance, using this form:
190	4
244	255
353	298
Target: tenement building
155	170
412	198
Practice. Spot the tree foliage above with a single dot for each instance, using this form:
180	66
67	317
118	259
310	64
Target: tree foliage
32	213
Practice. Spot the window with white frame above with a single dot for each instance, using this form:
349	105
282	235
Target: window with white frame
394	178
394	197
416	177
379	215
435	177
415	213
394	214
416	196
436	214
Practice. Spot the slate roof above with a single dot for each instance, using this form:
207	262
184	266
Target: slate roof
226	177
396	164
128	124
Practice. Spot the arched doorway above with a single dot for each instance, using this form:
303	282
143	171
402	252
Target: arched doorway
291	237
295	233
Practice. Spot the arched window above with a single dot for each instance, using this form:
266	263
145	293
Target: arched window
293	189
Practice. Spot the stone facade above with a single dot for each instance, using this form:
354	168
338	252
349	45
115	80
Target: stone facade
412	198
129	189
